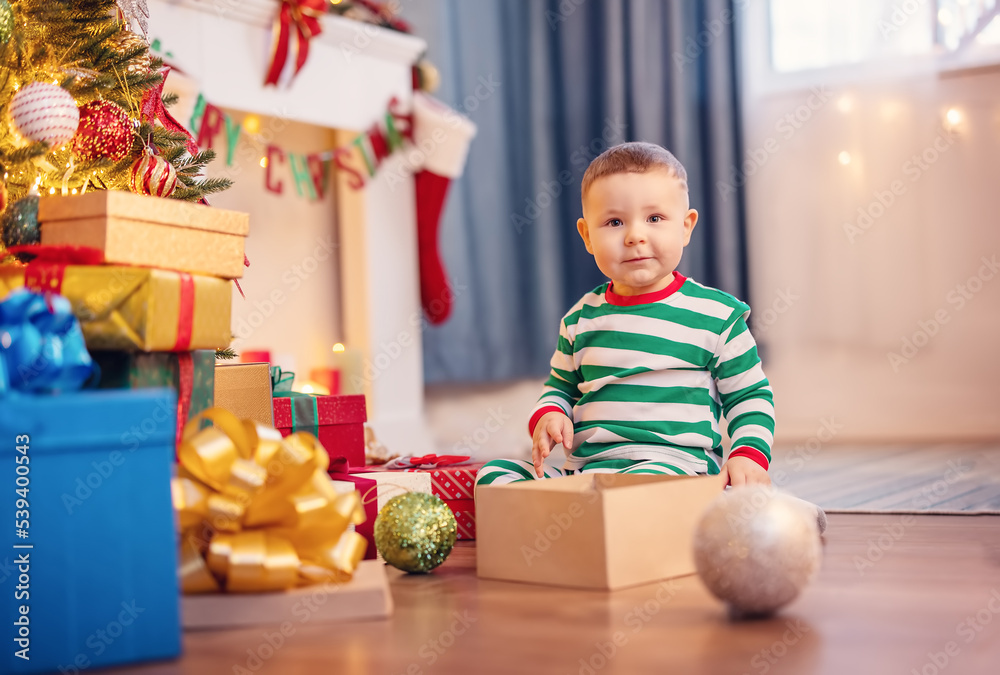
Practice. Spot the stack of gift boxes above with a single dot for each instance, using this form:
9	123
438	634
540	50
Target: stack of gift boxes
263	392
148	282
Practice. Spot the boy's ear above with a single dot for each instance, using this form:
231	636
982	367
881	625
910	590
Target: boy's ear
581	227
690	220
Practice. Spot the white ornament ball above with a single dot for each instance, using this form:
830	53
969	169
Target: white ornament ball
756	549
44	112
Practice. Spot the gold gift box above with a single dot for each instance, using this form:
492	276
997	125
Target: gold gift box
133	308
244	389
148	231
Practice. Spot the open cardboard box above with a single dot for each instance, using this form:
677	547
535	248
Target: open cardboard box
601	531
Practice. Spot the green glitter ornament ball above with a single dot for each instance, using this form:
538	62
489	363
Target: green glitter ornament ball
415	532
19	224
6	21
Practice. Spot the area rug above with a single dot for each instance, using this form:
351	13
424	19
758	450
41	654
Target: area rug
952	479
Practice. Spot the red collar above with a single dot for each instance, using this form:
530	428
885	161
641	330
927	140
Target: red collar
624	300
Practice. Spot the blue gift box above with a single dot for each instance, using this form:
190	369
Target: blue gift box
94	581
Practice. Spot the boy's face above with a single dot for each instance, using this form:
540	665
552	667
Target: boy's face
636	225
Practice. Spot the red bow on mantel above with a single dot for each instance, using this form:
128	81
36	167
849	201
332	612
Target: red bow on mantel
305	15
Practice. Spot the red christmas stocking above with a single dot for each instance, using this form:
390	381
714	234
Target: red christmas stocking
443	137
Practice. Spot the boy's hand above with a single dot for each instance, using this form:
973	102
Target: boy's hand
552	428
743	471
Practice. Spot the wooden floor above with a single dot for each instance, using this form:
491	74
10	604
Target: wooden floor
894	596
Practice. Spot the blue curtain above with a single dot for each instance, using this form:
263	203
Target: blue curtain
551	85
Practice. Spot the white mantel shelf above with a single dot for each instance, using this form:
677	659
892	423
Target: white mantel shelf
353	71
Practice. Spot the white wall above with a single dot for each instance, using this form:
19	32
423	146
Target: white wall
292	304
831	305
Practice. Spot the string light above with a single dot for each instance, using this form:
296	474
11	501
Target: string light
251	124
954	116
338	347
263	162
844	157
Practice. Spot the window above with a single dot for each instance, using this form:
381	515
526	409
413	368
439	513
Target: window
809	34
962	24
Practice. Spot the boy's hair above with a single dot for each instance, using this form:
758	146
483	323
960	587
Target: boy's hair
636	157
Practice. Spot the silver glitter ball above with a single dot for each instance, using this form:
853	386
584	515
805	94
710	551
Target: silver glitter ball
756	548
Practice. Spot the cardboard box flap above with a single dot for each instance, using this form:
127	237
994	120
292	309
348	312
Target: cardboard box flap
129	206
603	531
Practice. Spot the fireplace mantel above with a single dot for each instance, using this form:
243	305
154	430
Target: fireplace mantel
353	71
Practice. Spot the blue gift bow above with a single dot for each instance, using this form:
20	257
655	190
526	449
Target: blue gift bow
41	344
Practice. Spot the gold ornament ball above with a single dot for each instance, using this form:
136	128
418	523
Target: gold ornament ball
429	76
756	549
415	532
126	40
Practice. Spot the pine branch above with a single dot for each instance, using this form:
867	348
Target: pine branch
226	353
212	185
25	154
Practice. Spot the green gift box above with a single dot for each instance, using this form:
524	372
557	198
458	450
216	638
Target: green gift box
190	374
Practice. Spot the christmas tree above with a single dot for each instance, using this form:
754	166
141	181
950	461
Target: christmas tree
81	108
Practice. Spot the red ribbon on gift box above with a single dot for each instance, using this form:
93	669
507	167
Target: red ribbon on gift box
339	470
45	273
305	15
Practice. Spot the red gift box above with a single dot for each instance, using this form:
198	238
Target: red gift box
339	424
456	485
465	516
367	487
453	482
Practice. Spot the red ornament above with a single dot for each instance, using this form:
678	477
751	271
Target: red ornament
105	131
152	175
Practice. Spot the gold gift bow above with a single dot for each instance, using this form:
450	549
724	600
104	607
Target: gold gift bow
257	512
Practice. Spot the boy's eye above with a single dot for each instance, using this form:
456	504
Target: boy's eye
615	222
655	219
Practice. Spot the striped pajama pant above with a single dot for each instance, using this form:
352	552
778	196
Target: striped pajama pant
501	471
